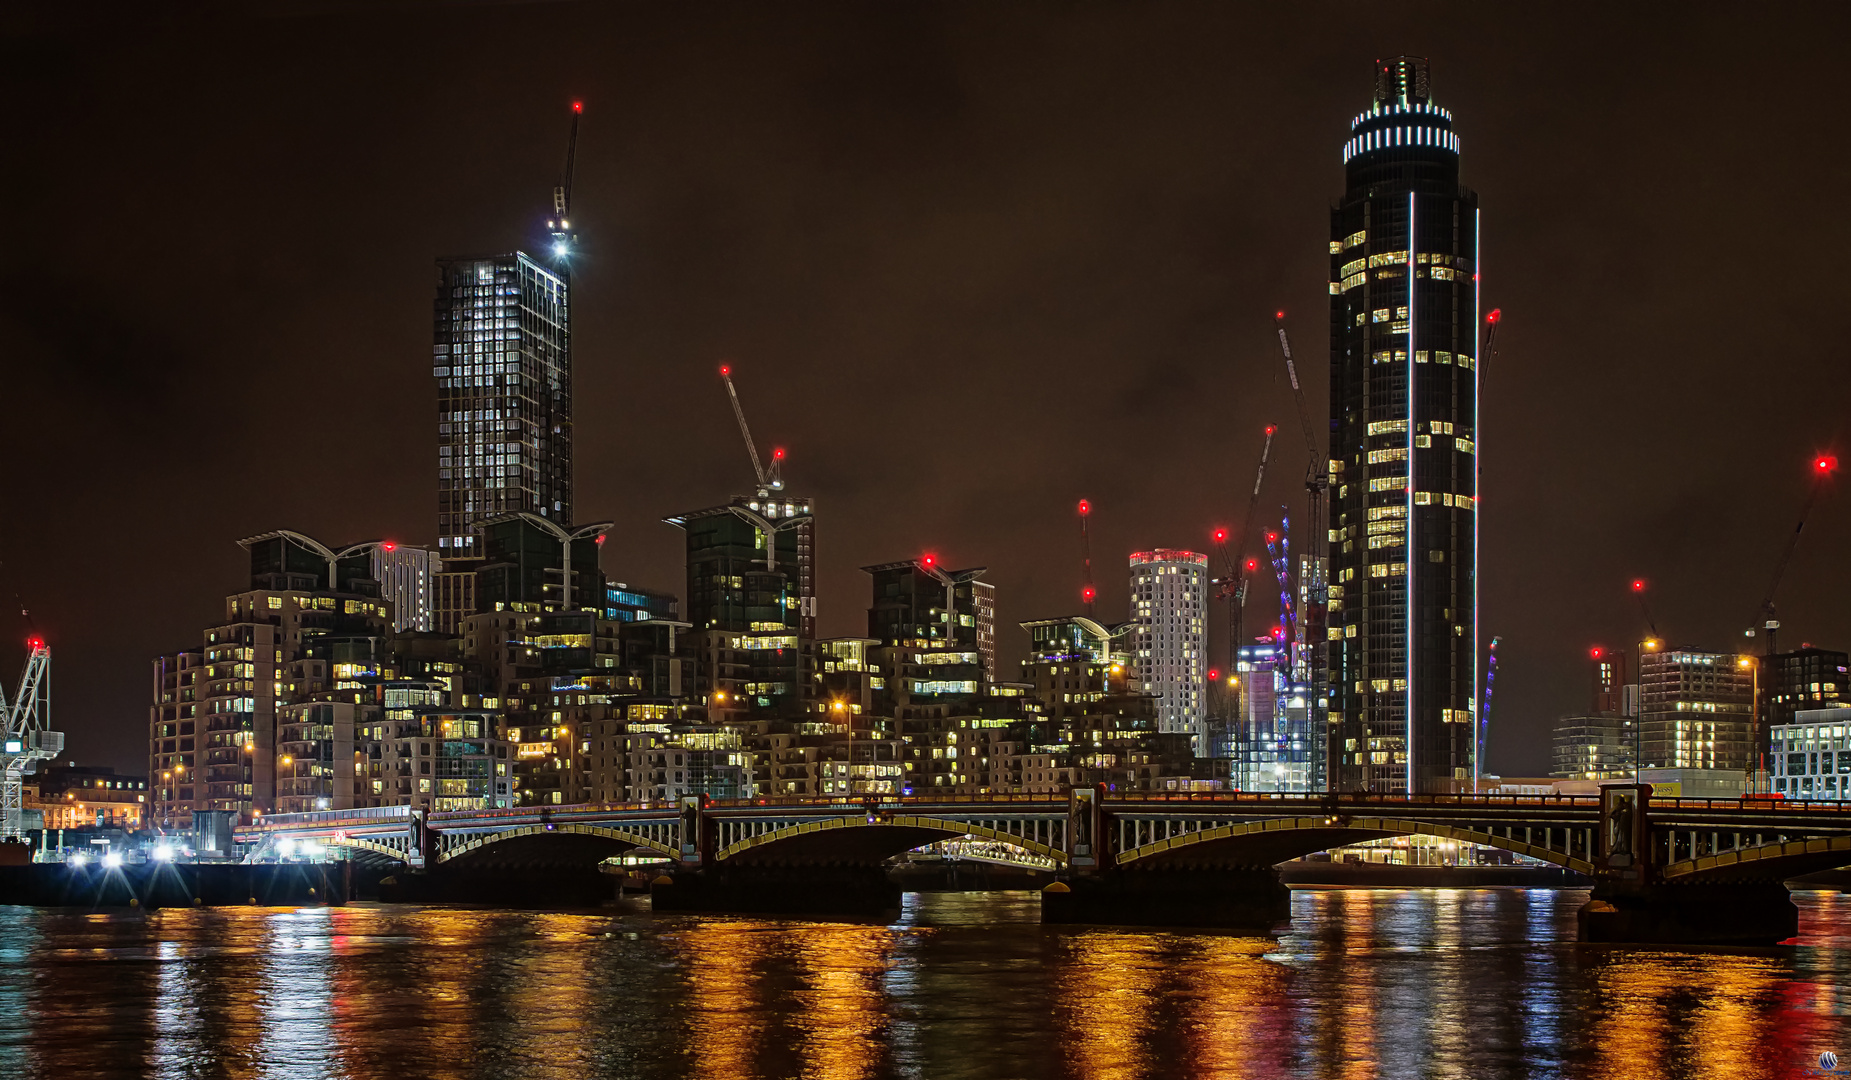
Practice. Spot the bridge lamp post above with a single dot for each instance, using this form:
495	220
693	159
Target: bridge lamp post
1757	755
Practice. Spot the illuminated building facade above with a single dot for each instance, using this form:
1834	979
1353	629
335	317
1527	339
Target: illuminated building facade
1168	640
1403	529
1599	744
1806	678
751	601
502	358
1696	710
312	621
1275	744
1811	756
937	633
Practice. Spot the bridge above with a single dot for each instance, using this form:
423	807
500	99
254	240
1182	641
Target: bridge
1674	870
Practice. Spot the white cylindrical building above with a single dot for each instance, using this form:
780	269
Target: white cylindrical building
1169	593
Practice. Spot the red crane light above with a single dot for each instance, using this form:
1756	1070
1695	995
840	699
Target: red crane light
929	560
725	370
778	454
1496	315
1213	674
1825	463
1253	564
1594	652
1085	508
1087	594
1272	538
1221	536
1638	585
578	106
35	643
600	539
388	546
1272	429
1279	315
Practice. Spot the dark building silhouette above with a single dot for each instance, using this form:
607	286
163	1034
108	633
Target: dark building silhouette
1404	314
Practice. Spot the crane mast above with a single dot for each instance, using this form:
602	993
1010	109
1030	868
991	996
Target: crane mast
1823	467
559	224
1232	587
25	741
1316	592
769	480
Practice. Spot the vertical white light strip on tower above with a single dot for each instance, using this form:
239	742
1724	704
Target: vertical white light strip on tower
1407	547
1478	449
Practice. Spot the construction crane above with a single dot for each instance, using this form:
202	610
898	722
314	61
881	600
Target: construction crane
769	479
559	224
1823	466
1317	487
1316	591
24	740
1484	714
1231	587
1087	592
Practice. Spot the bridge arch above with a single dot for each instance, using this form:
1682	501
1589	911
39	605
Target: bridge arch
860	839
1763	862
365	852
567	842
1275	840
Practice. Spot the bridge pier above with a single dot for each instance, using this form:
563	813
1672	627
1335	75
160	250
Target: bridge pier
1250	898
1756	913
859	891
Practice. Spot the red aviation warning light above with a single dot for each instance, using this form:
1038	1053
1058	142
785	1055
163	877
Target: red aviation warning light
1497	315
1638	585
1221	536
1253	564
1085	508
35	643
1825	463
388	546
928	560
600	540
1213	675
726	371
1595	652
1087	594
778	454
578	106
1272	538
1272	429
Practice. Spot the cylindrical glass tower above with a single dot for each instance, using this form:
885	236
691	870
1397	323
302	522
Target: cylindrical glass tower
1403	537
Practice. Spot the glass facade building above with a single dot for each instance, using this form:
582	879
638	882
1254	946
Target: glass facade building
502	358
1403	530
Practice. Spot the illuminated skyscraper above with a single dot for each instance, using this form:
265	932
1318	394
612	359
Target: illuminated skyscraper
1404	317
503	364
1169	644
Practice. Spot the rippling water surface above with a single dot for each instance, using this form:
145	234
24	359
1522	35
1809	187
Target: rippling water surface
1456	983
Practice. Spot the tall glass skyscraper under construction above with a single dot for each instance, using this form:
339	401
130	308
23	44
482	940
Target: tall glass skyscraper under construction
503	364
1404	332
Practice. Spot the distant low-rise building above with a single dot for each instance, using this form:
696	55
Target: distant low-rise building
1810	757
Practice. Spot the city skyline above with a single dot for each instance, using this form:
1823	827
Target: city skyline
370	478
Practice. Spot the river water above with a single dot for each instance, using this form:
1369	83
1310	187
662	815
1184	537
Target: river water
1474	984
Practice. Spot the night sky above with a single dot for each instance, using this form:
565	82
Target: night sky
971	263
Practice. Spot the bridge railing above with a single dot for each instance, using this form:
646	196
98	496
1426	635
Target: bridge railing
323	817
1347	800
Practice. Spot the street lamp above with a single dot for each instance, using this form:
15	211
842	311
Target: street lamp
1757	760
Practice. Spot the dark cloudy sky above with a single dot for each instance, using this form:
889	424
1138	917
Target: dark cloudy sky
972	262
